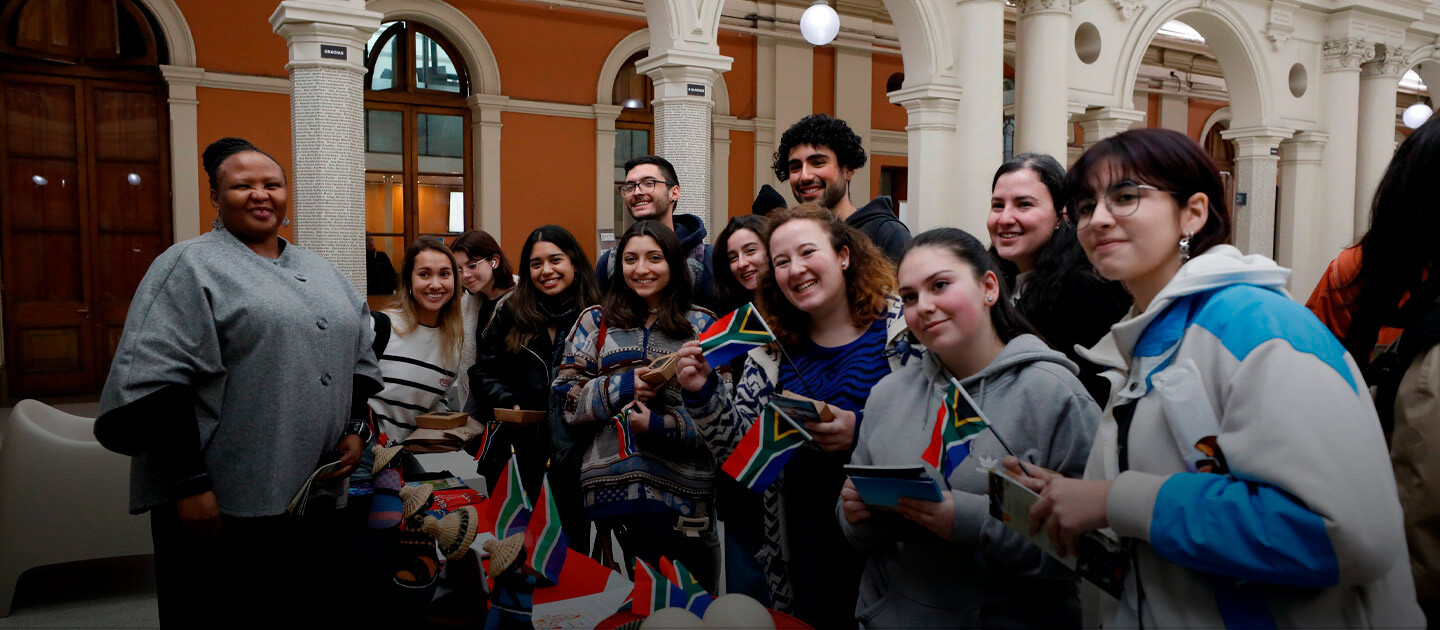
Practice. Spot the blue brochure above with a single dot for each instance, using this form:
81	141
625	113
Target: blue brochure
883	486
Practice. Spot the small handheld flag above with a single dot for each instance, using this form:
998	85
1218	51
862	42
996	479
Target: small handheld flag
734	335
626	439
507	506
545	538
697	599
653	591
956	423
762	453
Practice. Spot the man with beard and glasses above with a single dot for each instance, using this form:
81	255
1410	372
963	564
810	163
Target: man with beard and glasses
652	191
818	156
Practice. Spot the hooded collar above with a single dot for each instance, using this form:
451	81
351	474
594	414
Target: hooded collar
690	230
1021	351
879	209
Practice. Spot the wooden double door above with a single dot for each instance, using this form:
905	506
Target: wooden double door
85	203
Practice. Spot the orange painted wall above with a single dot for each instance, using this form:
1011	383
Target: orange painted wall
263	119
883	113
1152	111
740	80
548	176
1200	111
548	53
236	37
876	163
823	90
742	173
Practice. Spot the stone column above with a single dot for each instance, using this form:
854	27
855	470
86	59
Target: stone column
485	146
605	192
1043	43
1174	112
720	175
931	131
327	126
683	101
794	98
1339	111
979	28
1299	222
1375	141
852	105
184	150
1257	152
1102	122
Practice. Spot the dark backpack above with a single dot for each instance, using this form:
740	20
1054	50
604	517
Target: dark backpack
1387	369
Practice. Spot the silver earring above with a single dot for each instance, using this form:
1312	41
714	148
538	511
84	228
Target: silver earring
989	298
286	222
1185	247
217	224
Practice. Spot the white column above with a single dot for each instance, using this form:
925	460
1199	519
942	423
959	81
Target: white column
930	109
720	175
327	125
1256	156
1103	122
1174	113
852	105
764	151
184	150
1339	111
605	192
1299	224
1375	141
485	147
1043	44
979	28
684	82
794	95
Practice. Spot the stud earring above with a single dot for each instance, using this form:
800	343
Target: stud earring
286	222
989	298
1185	246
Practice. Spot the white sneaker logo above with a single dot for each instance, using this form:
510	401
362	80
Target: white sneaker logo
986	463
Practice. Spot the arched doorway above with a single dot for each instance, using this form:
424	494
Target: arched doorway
85	196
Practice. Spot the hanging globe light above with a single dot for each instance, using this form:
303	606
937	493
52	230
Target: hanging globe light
1416	115
820	23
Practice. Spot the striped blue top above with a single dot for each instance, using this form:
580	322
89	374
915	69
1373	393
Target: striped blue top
841	376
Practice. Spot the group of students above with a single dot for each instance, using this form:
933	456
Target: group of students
1107	317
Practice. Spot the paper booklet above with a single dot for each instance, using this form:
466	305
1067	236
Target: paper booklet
1098	558
884	486
307	490
800	409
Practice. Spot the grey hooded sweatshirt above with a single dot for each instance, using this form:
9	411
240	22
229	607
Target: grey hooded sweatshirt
985	575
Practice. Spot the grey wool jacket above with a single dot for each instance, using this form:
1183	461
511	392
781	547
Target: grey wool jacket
984	575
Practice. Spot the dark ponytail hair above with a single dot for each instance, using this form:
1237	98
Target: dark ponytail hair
221	150
1006	319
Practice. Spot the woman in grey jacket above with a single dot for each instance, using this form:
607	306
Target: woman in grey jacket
949	563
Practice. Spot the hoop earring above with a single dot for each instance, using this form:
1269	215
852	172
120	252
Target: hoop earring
1185	246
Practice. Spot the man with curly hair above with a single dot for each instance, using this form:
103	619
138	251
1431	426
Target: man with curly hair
818	155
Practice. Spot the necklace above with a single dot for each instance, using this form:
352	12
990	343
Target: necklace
654	311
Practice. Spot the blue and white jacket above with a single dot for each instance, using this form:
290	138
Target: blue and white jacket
1297	525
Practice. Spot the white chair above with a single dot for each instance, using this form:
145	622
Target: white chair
63	497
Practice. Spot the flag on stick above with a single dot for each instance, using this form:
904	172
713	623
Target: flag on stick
545	538
653	591
697	599
762	453
621	420
507	506
956	423
734	335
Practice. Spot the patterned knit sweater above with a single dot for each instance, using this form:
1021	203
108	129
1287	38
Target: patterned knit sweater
673	469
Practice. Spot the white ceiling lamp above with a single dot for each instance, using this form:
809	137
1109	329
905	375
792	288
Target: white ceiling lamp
1416	115
820	23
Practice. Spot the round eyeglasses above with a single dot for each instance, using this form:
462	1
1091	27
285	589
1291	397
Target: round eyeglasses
646	186
1122	200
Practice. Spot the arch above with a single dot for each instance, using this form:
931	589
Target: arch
636	42
1217	116
1227	35
925	38
176	31
1425	61
458	28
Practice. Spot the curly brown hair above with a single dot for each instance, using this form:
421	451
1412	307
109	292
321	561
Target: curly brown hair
869	280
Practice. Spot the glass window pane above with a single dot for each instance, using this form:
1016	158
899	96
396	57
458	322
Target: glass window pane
383	76
382	263
433	68
441	143
440	202
384	145
384	203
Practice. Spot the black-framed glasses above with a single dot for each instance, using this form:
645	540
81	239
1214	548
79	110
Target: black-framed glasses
1122	201
645	186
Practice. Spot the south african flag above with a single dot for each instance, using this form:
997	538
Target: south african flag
544	537
653	591
507	506
734	335
760	456
956	423
697	599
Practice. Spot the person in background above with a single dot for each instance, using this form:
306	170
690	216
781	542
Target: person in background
1278	507
379	273
949	563
652	191
768	199
818	156
1044	267
647	475
485	273
245	363
828	299
516	363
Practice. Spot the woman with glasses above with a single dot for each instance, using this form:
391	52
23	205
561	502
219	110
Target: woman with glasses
1240	461
1044	267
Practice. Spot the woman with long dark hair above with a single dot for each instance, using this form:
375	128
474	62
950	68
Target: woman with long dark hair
516	363
1043	265
646	475
740	261
1241	460
486	276
974	571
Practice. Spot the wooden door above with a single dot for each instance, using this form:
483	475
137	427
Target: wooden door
82	215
